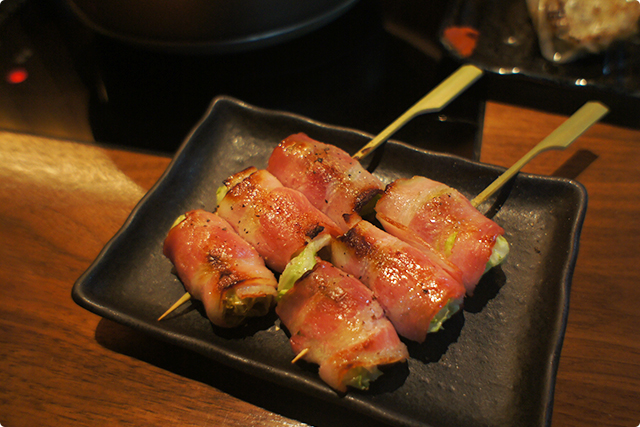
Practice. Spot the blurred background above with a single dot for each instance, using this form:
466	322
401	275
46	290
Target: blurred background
358	64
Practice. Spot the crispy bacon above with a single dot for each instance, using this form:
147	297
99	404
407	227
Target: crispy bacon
276	220
337	319
431	214
412	285
217	267
333	182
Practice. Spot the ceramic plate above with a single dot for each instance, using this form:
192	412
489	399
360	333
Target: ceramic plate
495	362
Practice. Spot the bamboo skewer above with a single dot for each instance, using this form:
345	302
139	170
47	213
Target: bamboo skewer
559	139
300	355
434	101
184	298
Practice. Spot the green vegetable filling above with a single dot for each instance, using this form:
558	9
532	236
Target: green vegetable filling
302	263
499	253
237	309
361	377
451	307
369	208
179	220
448	244
220	193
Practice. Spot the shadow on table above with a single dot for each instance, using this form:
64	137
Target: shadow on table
576	164
271	397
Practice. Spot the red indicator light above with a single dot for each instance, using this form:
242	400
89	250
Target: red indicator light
17	75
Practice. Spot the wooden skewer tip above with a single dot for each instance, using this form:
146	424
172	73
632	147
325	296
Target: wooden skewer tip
184	298
300	355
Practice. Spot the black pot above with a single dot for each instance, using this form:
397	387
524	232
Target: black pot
206	25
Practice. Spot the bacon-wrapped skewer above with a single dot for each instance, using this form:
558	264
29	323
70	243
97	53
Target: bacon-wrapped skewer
419	211
276	220
217	267
418	290
332	317
430	214
335	321
334	183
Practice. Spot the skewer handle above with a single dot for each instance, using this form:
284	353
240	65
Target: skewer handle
434	101
559	139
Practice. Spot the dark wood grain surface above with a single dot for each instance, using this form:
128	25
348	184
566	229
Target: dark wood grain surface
61	201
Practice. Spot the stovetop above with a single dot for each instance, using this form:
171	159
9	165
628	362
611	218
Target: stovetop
360	71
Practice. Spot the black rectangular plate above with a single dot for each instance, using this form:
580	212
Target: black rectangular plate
493	365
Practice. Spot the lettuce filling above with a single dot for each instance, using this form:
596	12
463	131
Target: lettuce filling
369	207
237	309
499	253
179	220
451	307
361	377
303	262
448	244
220	193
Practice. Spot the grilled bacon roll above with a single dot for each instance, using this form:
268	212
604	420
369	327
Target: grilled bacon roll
340	325
418	290
217	267
431	214
276	220
333	182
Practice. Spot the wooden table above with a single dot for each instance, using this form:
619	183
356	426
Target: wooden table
61	201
